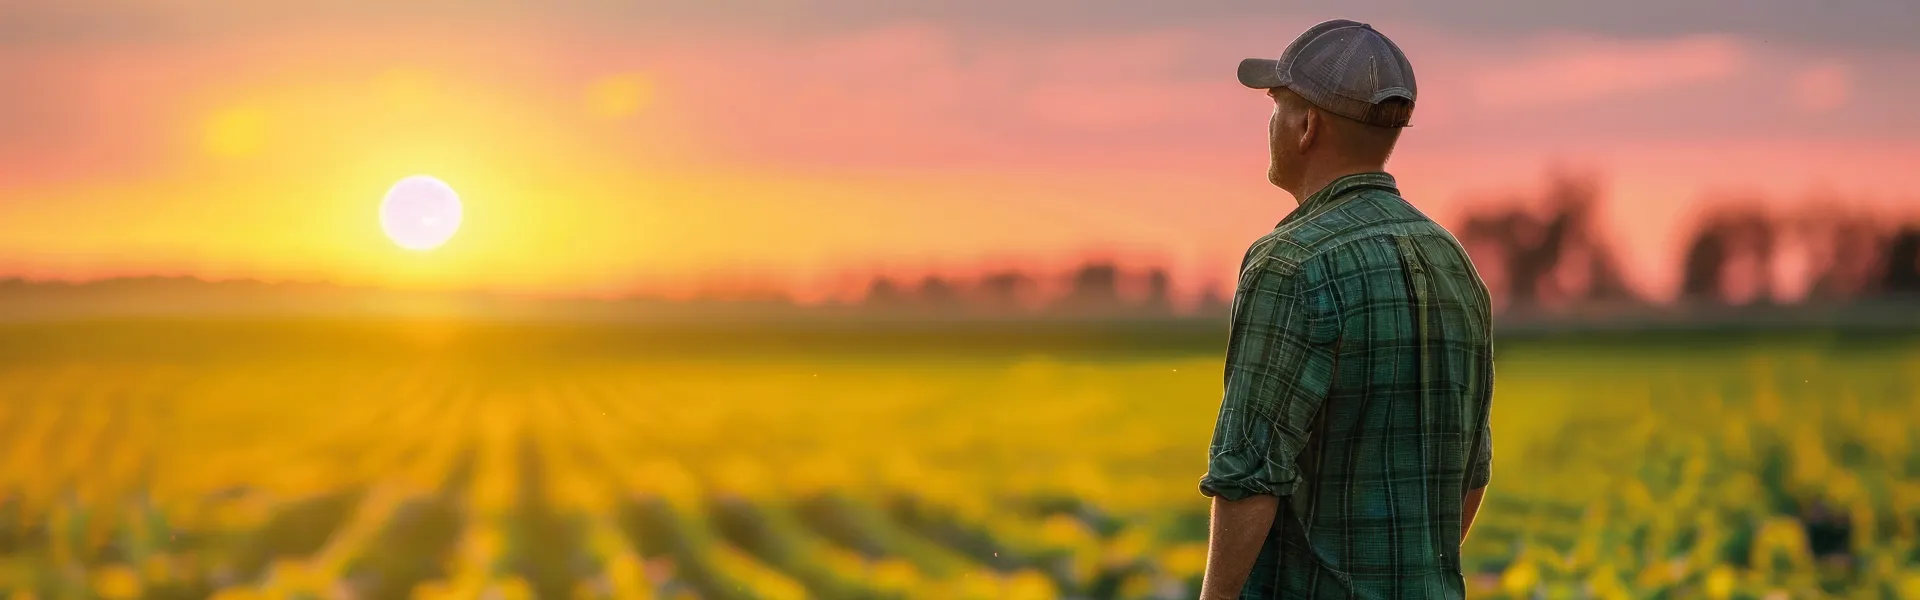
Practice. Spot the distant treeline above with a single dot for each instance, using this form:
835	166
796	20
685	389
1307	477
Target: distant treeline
1547	253
1098	289
1542	254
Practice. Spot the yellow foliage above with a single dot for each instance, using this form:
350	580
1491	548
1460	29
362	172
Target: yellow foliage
1136	586
625	572
290	575
1061	529
1596	452
1185	560
1520	578
1780	536
1720	582
765	582
670	480
116	582
481	544
743	476
1128	546
974	586
817	474
1030	585
511	588
432	590
895	575
158	569
1605	584
238	593
1909	585
842	562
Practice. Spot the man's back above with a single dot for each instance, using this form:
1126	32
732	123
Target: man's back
1359	377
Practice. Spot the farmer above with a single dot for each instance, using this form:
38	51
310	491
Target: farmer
1351	448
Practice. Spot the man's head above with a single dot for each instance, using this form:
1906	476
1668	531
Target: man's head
1341	92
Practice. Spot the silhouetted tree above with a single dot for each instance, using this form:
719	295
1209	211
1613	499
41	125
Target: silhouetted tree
1846	251
1903	263
1533	256
1211	303
1005	291
1730	242
1157	302
1703	267
1604	279
937	294
884	293
1093	288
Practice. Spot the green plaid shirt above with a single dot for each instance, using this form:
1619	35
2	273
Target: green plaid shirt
1359	376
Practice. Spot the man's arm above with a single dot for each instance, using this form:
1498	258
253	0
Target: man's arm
1468	509
1239	529
1480	469
1277	376
1478	473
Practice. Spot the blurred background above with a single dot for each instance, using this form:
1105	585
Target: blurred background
857	299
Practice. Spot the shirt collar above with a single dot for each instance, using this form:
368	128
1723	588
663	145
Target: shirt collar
1340	189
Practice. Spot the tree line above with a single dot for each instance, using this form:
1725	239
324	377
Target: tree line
1539	252
1099	288
1548	252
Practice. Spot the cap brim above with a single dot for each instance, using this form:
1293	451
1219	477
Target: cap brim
1260	73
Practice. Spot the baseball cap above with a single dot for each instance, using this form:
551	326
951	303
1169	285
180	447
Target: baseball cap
1344	67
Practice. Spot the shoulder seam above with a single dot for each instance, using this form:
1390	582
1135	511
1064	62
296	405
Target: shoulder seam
1310	253
1301	253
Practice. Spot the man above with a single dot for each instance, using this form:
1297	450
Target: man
1352	445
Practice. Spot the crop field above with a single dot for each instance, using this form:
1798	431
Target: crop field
1783	469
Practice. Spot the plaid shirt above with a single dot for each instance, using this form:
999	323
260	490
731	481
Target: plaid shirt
1359	375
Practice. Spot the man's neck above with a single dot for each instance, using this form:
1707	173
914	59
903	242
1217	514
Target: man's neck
1319	179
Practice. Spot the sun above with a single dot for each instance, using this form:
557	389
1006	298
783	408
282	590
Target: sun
420	213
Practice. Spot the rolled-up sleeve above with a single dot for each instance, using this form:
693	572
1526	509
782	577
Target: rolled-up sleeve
1277	377
1480	471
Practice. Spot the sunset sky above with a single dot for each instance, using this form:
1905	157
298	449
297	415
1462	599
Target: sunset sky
670	145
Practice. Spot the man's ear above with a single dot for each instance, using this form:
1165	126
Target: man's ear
1311	128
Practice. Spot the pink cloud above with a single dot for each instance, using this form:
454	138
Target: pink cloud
1120	105
926	96
1822	88
1578	70
912	96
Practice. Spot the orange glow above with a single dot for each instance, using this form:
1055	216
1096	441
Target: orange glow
687	161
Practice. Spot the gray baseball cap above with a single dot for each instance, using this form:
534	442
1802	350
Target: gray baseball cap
1344	67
